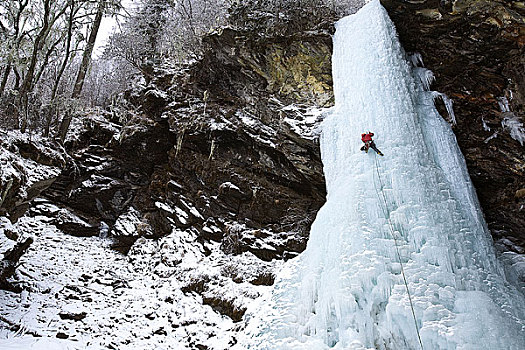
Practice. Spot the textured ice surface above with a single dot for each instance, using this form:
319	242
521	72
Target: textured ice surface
346	290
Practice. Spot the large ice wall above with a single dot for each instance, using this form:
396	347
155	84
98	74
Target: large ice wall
346	290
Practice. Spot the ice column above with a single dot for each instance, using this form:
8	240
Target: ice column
346	290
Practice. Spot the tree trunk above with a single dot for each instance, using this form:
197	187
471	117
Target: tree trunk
16	26
50	112
17	79
45	62
28	79
86	60
3	83
68	50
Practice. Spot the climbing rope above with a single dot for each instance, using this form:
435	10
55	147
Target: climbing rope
386	213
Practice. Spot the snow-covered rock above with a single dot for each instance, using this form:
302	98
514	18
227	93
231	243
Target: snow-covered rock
27	167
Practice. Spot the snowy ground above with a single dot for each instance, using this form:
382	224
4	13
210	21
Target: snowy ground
346	291
80	289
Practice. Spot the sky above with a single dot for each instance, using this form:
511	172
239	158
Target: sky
108	26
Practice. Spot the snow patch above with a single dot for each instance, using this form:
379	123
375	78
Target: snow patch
306	123
126	224
229	185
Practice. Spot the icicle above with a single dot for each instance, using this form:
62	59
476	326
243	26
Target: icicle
448	105
493	136
416	59
503	104
425	76
511	122
180	138
212	149
206	95
485	126
103	230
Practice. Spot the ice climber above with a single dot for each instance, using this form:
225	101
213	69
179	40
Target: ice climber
367	139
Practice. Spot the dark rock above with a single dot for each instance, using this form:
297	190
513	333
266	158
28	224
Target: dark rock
61	335
75	289
8	197
11	234
16	194
295	67
105	179
72	316
265	279
9	263
85	277
74	225
233	158
154	101
42	154
126	230
225	307
30	166
92	130
160	331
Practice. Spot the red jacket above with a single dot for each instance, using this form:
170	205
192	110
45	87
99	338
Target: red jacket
367	137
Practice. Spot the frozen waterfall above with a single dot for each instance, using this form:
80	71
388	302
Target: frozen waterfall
346	291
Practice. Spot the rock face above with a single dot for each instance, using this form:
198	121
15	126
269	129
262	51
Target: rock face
27	167
9	262
219	149
296	68
475	48
240	156
111	164
220	164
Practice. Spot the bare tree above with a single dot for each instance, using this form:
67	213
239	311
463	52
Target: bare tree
165	30
67	54
13	39
84	65
48	19
88	51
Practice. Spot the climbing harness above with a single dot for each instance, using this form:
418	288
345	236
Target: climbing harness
386	213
